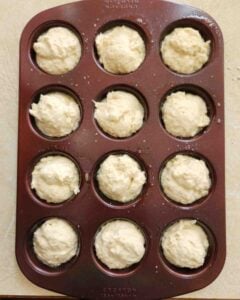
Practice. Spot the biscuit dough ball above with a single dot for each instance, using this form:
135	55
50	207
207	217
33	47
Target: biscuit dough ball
120	178
184	114
55	179
58	50
185	179
55	242
121	50
56	114
119	244
120	114
184	50
185	244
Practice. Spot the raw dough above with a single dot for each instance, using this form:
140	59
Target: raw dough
56	114
185	51
120	114
185	179
55	179
185	244
119	244
184	114
121	49
58	50
120	178
55	242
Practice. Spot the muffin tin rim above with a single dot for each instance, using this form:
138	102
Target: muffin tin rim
209	258
33	193
113	204
45	90
36	264
190	88
197	24
123	88
43	28
212	174
125	272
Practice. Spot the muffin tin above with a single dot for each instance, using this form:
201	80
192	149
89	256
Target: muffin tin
84	276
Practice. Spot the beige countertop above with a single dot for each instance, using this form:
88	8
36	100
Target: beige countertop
14	14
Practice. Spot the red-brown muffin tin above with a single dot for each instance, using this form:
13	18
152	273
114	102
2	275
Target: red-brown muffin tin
84	276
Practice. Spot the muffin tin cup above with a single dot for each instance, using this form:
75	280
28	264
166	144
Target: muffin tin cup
153	278
46	90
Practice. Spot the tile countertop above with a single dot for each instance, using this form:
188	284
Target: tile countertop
14	14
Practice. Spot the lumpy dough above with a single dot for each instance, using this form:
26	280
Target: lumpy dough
185	179
120	114
55	179
56	114
185	244
55	242
58	51
185	51
119	244
184	114
121	49
120	178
